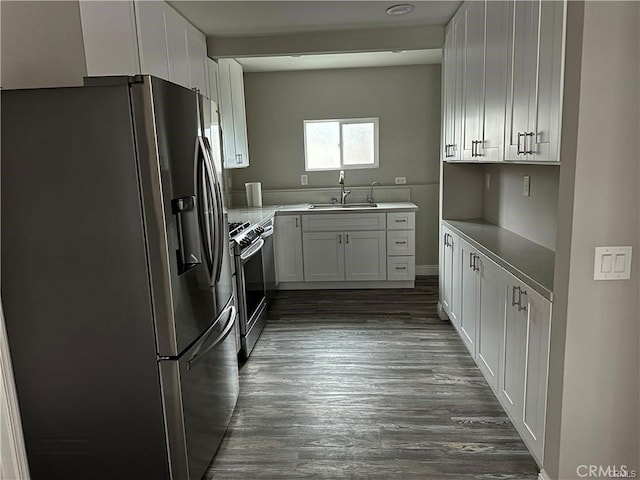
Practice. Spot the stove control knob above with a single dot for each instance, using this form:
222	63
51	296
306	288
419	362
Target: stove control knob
259	230
245	242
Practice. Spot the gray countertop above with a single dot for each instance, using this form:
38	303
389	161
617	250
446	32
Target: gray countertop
529	262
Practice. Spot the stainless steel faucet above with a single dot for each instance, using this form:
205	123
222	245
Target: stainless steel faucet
343	193
370	197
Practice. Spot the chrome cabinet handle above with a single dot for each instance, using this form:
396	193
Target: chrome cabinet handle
296	222
339	239
401	268
513	295
471	255
521	135
347	235
520	306
446	150
529	150
476	268
401	243
474	148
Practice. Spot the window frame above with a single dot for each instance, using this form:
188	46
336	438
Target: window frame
345	121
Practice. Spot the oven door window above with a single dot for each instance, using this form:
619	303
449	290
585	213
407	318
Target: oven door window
254	284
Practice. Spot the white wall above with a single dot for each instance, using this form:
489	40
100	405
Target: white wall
41	44
596	420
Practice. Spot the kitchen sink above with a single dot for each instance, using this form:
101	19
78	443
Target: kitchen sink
346	205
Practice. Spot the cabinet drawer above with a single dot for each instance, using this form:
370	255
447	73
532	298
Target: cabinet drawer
401	221
401	268
329	222
401	242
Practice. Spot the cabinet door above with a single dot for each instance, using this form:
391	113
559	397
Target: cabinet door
458	32
177	47
323	256
535	66
536	371
239	114
197	58
545	96
511	384
495	81
490	322
446	271
226	115
473	78
213	79
288	248
154	55
110	38
456	281
449	90
365	255
469	300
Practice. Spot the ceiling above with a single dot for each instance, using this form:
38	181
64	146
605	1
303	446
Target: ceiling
341	60
235	18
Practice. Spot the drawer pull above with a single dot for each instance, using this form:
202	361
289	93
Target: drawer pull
402	220
401	243
401	268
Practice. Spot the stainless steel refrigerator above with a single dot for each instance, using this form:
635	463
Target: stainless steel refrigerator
116	279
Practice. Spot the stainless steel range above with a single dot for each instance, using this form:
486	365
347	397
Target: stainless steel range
253	254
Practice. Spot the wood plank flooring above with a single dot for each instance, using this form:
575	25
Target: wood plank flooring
366	384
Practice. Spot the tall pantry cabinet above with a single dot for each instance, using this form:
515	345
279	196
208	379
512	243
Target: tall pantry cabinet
502	96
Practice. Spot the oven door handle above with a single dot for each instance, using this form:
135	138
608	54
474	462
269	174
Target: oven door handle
252	250
267	232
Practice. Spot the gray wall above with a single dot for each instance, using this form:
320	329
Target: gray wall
596	419
533	217
41	44
407	101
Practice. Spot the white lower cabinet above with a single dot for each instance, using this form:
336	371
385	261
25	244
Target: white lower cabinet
523	382
506	326
489	333
338	256
469	297
365	256
401	268
288	248
450	291
323	256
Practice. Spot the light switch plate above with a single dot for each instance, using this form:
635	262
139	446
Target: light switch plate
304	179
612	263
401	180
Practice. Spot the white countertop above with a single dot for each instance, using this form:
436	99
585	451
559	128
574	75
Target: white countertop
261	214
382	207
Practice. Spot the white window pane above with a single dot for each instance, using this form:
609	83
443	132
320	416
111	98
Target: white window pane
358	143
323	145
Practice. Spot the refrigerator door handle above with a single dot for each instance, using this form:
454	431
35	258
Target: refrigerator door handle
207	202
209	345
187	228
220	239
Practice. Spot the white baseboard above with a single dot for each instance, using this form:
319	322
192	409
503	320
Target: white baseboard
426	270
543	475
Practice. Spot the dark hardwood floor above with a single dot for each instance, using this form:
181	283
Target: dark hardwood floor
366	384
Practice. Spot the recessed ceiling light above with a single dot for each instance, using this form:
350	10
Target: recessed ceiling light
400	9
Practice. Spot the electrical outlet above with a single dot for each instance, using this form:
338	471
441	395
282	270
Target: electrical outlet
304	179
526	186
401	180
487	181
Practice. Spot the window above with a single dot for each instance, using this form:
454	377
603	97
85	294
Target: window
341	144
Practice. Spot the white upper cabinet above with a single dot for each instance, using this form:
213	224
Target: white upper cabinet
197	60
154	56
502	74
533	85
212	77
233	115
453	69
143	37
484	79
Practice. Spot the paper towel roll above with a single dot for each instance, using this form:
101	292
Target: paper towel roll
254	194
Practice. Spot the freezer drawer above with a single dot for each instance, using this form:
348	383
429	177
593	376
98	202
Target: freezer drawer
203	385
